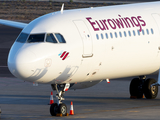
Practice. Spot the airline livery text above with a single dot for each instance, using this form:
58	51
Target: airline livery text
125	22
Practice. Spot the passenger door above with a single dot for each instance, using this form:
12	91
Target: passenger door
157	19
86	38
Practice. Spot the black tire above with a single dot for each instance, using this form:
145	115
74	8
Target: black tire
62	109
54	109
136	89
150	92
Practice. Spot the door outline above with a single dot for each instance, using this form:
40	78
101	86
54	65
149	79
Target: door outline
86	38
156	18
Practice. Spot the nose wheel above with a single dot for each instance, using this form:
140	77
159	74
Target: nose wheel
54	109
62	109
59	108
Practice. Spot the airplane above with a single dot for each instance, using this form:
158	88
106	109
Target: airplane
76	49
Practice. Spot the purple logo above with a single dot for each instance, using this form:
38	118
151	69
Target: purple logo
126	22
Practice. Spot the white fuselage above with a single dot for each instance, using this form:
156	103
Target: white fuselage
90	55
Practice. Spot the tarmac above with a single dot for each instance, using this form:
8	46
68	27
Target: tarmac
21	100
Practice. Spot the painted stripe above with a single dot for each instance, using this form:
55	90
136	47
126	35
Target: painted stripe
66	89
107	80
65	56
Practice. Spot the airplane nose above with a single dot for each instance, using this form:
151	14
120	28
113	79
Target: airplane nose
22	64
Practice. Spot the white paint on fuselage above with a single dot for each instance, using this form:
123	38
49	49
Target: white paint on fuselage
112	57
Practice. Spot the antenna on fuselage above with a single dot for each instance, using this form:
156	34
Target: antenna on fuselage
62	8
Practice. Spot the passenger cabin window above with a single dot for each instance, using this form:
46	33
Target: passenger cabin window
106	35
138	32
152	31
22	38
36	38
143	32
120	34
134	33
125	34
129	33
97	36
115	34
60	38
111	35
50	38
102	36
147	31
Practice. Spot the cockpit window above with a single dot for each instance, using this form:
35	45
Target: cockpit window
22	38
60	38
36	38
50	38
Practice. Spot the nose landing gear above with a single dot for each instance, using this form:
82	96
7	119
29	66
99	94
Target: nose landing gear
59	107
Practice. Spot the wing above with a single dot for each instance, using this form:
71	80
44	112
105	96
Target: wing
13	24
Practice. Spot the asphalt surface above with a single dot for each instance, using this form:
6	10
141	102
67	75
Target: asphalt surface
21	100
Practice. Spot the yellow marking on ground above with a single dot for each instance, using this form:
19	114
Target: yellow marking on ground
133	111
30	116
79	117
88	109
